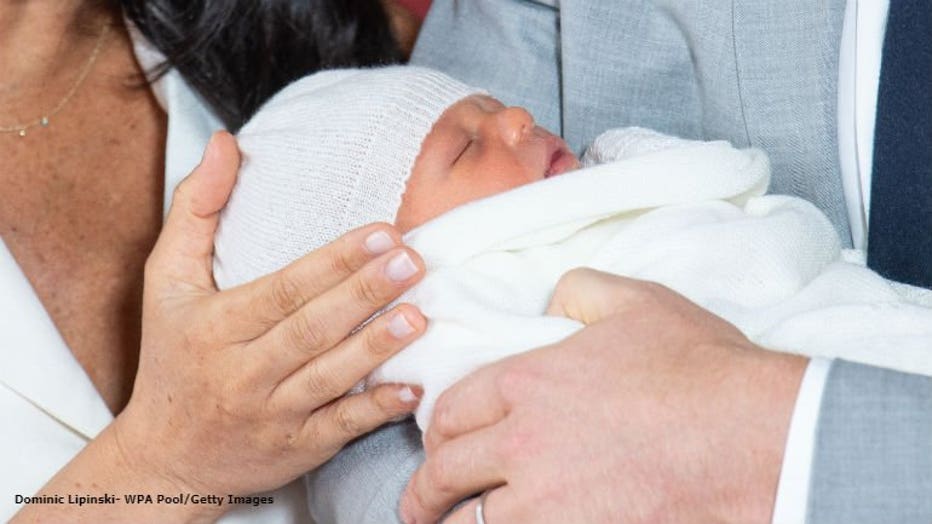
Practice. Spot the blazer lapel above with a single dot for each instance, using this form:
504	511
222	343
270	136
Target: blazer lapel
36	364
787	58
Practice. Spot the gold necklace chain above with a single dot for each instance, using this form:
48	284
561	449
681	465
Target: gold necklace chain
44	120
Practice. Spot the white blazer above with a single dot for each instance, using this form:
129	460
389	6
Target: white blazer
49	409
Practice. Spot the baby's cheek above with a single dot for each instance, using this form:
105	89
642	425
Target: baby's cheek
409	216
421	204
427	198
507	180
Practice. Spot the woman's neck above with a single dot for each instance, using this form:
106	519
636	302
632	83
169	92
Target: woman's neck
41	39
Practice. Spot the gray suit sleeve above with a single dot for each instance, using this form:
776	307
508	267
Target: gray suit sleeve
873	454
364	482
509	47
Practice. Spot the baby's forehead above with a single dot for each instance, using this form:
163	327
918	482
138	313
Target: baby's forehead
476	102
462	113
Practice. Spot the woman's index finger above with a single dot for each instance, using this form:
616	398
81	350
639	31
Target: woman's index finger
268	300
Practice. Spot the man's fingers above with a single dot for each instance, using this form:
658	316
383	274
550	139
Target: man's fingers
476	401
334	372
500	505
263	303
184	250
335	424
453	471
324	322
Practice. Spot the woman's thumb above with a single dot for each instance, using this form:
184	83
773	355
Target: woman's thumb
184	250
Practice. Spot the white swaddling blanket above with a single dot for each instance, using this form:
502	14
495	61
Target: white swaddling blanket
690	215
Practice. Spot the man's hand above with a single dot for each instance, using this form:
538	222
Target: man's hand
657	411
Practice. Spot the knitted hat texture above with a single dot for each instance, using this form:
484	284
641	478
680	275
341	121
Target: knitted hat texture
329	153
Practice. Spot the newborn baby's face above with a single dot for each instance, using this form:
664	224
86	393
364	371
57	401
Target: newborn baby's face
479	148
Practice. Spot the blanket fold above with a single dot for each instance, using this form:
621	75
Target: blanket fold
690	215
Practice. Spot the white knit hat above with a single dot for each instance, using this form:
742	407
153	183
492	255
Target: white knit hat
329	153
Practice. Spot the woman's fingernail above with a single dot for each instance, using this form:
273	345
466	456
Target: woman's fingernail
379	242
408	395
401	267
399	326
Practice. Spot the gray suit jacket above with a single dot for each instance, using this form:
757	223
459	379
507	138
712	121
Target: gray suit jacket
758	73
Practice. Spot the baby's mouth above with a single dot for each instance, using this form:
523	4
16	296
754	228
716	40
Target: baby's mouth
561	159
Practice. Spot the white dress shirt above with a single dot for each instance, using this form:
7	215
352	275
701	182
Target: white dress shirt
858	81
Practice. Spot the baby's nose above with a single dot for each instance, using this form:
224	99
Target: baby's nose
514	123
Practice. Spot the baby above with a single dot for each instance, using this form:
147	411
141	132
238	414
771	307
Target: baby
473	184
340	149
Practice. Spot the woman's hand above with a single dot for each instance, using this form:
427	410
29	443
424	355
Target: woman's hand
239	391
657	411
243	390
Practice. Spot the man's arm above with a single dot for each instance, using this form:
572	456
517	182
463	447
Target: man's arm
873	455
659	411
792	496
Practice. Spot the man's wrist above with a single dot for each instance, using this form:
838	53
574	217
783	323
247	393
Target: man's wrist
792	497
773	382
